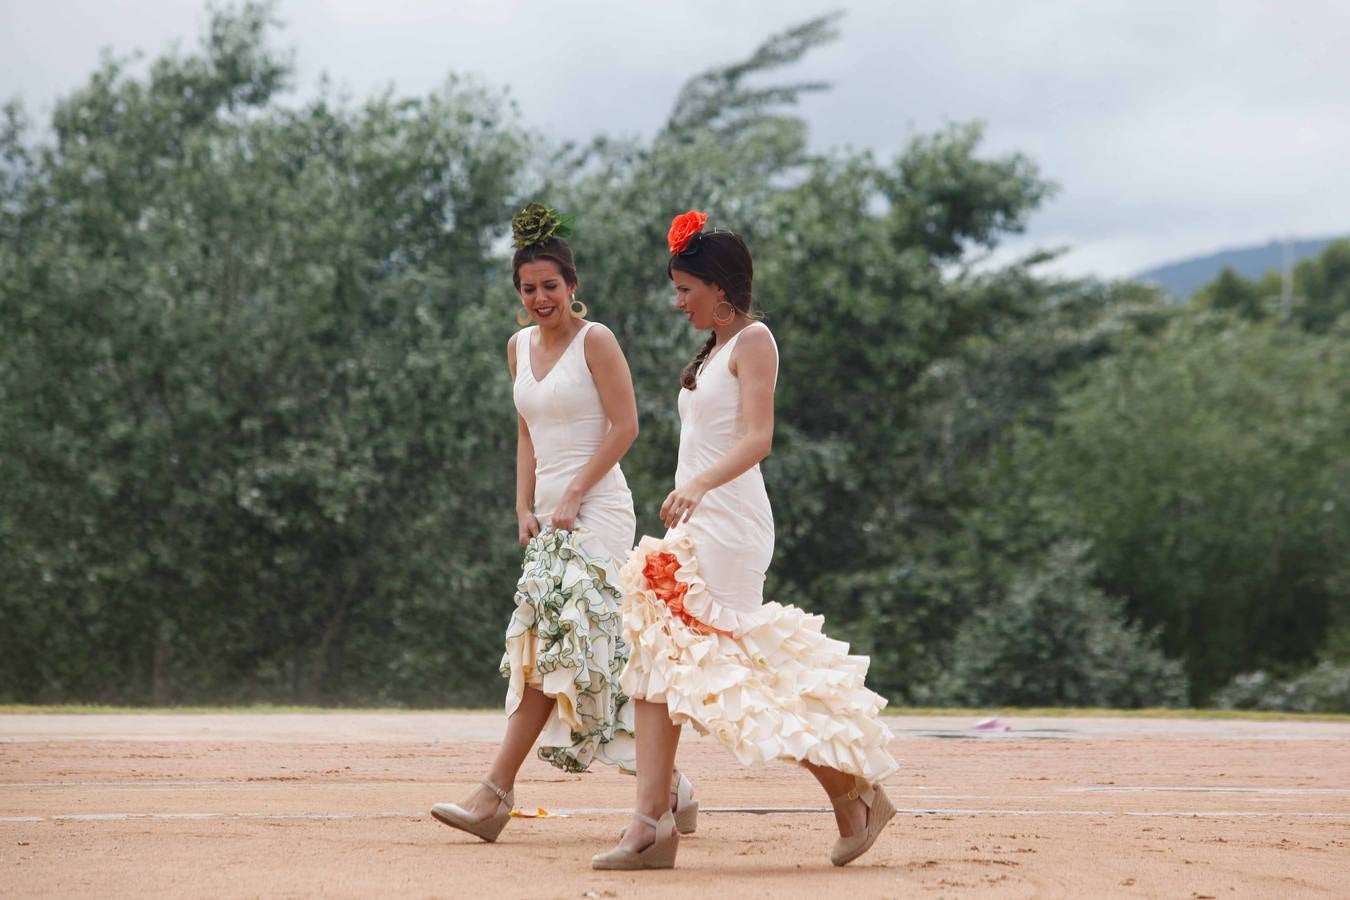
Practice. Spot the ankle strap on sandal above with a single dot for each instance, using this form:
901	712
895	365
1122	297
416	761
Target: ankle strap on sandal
864	792
647	819
504	796
853	794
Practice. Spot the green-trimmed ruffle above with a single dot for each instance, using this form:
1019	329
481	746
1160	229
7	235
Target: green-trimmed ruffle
565	638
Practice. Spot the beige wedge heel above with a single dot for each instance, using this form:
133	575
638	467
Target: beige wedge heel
683	805
686	807
455	816
659	854
879	812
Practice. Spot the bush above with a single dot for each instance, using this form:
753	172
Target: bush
1057	640
1325	688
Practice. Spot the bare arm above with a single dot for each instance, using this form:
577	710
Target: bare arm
614	382
754	362
527	524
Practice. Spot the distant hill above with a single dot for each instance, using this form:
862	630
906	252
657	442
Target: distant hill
1183	278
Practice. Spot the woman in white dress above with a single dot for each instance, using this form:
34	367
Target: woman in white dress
705	647
564	648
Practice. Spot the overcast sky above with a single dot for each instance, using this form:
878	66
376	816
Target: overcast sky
1173	128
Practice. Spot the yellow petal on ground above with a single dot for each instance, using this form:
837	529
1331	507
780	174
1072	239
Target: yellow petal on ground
539	813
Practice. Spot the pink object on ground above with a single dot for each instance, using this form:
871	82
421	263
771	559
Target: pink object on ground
991	725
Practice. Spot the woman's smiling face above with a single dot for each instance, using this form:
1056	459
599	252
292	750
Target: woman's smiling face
546	294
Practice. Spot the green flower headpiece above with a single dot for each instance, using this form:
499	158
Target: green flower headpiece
537	223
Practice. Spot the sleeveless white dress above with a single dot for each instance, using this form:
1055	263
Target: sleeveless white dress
762	677
565	635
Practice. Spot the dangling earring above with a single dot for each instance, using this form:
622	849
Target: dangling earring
578	308
523	317
723	320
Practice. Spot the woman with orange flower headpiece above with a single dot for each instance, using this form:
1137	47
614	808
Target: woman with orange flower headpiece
705	647
564	648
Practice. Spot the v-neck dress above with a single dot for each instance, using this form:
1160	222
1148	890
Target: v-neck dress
564	637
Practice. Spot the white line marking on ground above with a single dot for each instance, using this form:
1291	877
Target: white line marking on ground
269	784
1187	789
122	817
730	810
966	811
912	791
132	783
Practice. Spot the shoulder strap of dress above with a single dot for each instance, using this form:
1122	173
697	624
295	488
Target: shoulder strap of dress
737	335
772	340
523	350
579	343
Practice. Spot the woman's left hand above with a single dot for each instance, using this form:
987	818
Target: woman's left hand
564	516
680	503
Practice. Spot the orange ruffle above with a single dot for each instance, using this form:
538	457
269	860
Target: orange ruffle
659	570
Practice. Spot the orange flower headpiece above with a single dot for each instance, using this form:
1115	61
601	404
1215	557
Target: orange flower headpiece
684	228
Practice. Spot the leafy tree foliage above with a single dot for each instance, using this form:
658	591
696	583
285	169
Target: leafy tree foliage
1320	295
1208	466
256	438
244	403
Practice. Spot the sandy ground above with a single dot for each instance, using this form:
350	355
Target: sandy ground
335	805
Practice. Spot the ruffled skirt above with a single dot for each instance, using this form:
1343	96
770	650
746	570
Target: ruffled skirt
565	640
769	684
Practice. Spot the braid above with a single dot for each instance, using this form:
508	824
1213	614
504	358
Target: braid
689	377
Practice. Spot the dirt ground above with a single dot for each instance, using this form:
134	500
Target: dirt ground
335	805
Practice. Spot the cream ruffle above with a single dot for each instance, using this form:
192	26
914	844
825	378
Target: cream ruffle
565	640
775	688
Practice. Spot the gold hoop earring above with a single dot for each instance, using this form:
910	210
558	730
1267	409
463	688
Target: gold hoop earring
523	317
578	308
723	320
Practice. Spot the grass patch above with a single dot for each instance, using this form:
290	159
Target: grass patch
901	711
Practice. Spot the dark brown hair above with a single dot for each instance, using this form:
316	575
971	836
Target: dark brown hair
554	250
718	258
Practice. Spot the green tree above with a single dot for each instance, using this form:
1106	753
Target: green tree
1207	466
1320	292
251	443
1323	288
1233	293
